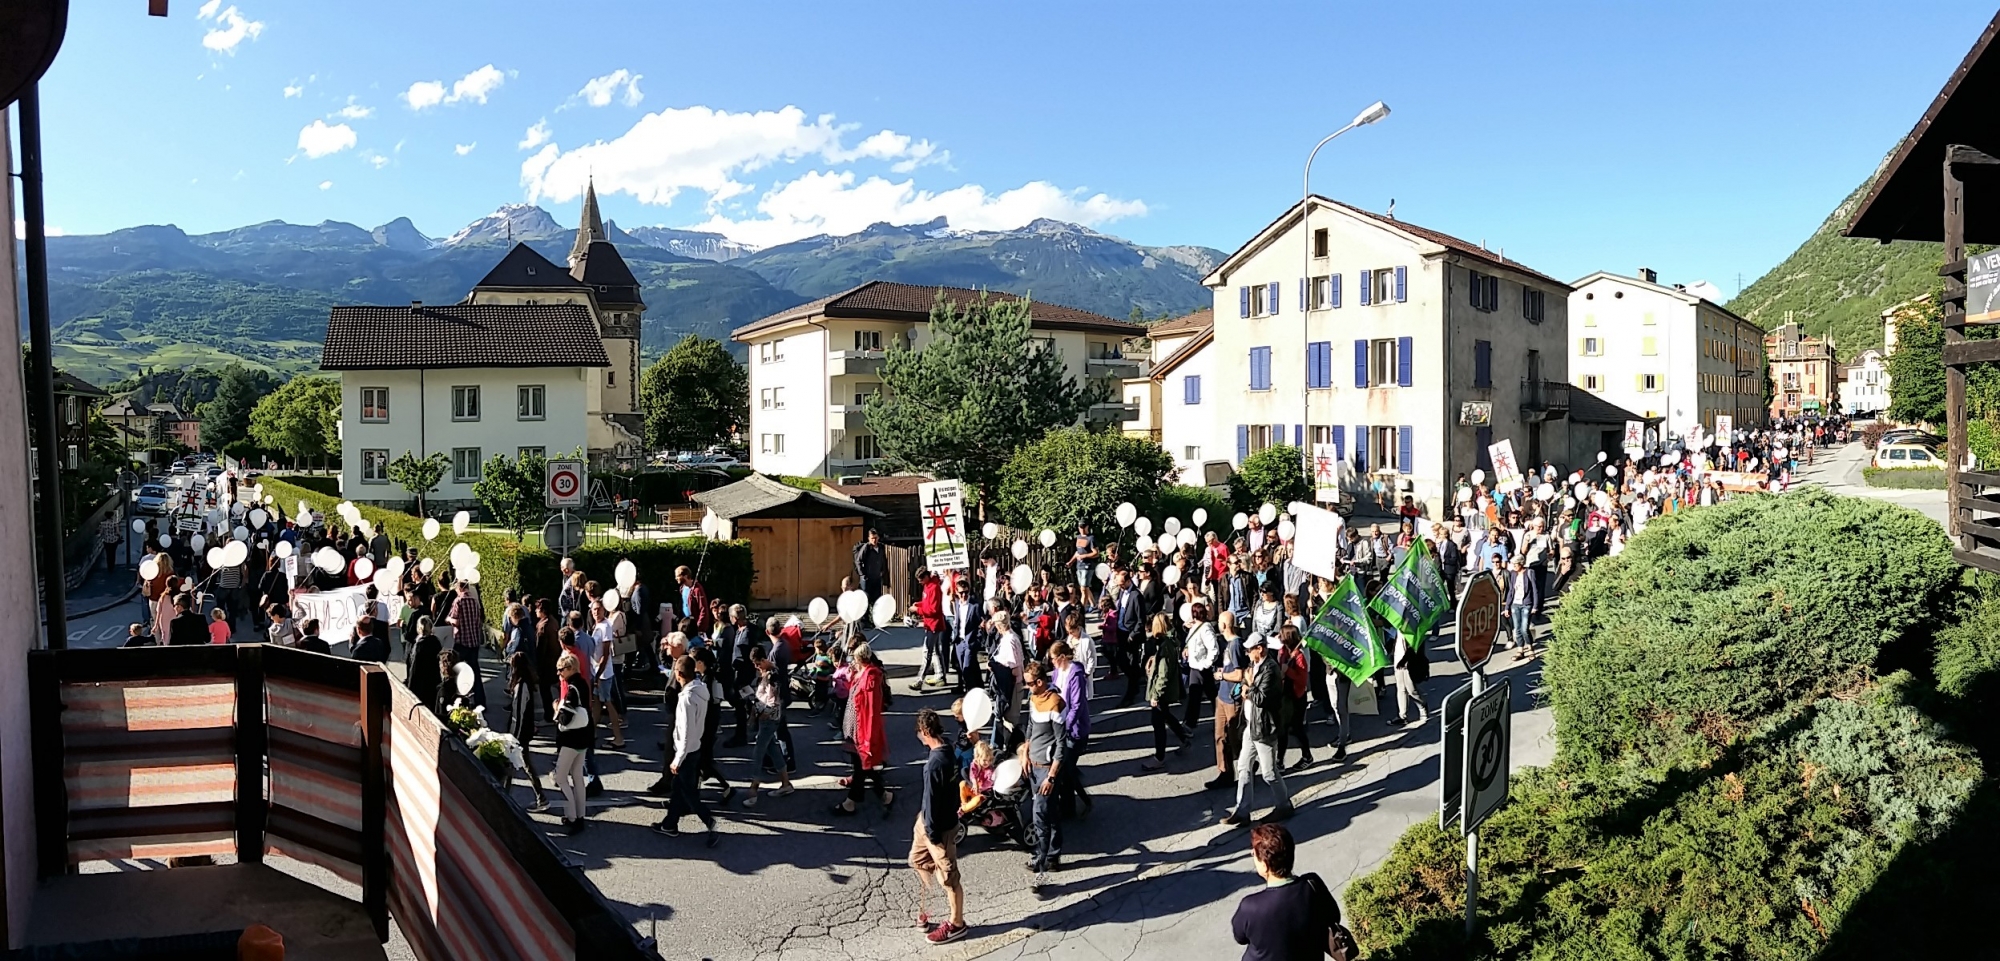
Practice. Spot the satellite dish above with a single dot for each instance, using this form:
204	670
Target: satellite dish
1142	526
463	678
885	610
460	521
978	708
817	611
1200	516
431	526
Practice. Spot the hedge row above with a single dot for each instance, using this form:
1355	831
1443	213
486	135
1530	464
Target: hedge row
1905	478
1742	758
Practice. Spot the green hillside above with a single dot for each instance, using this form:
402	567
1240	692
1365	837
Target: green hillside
1838	284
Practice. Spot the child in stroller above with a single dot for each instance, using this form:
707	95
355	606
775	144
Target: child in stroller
990	796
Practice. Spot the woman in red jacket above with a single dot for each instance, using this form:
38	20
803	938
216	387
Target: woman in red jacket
929	609
867	740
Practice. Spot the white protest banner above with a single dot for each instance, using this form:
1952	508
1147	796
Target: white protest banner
943	505
1326	474
335	610
1724	425
1506	470
1635	435
1316	540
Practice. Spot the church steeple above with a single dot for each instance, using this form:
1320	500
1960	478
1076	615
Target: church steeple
591	229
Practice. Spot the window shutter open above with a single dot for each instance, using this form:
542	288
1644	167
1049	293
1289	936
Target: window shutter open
1242	442
1475	289
1361	447
1482	439
1402	280
1492	293
1272	307
1299	435
1367	281
1277	434
1360	363
1482	363
1340	442
1243	294
1334	281
1404	347
1302	294
1405	435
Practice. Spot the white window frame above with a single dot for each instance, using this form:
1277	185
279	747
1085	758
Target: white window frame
1260	437
874	451
1650	383
375	466
458	462
1318	291
1382	287
465	403
521	453
1192	452
1384	447
868	340
1592	382
1321	242
374	405
531	402
1381	351
1258	307
770	443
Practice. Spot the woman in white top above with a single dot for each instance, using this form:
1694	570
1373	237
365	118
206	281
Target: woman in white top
1203	646
604	667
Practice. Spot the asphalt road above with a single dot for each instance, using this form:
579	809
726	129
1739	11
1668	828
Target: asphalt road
1839	470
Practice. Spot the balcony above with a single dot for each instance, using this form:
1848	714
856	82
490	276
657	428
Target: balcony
842	362
1543	399
844	464
846	417
1112	413
1117	367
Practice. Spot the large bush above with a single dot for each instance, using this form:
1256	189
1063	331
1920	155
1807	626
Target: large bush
1075	474
1737	770
1274	475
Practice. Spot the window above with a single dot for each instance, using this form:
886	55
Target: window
1320	292
771	443
867	340
867	447
1482	363
1385	286
1649	382
1593	382
1896	454
1382	362
1257	301
773	398
1590	320
1260	368
1915	455
1791	382
1593	347
1191	389
1483	293
374	405
1647	318
374	467
1260	437
1533	304
465	403
1190	452
1319	364
1649	346
523	453
1384	447
70	460
610	376
771	351
465	465
1319	242
862	393
531	402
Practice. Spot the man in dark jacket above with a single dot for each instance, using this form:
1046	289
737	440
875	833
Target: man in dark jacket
186	626
1263	683
871	565
309	639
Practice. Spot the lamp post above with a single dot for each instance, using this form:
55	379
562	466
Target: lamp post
1374	112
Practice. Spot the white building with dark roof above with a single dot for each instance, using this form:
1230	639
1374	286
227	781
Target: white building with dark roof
535	358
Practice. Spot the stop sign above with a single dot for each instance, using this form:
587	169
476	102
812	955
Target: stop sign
1478	620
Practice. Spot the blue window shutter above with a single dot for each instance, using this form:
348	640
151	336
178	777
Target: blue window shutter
1271	304
1277	434
1298	435
1243	294
1242	443
1482	363
1404	348
1360	363
1405	435
1340	442
1191	389
1367	276
1361	446
1335	293
1475	286
1402	289
1483	458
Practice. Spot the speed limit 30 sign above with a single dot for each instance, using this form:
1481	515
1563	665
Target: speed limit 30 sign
567	483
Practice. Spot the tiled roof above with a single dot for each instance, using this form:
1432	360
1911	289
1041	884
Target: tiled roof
1184	324
757	493
523	267
68	383
604	268
1454	244
912	302
462	335
900	485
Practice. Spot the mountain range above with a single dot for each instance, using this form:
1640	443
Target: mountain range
159	297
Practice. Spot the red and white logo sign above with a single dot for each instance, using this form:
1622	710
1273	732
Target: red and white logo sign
566	483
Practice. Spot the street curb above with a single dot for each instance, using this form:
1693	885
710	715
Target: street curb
108	605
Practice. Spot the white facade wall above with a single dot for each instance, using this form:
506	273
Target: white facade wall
1187	430
1867	384
421	421
1691	349
790	439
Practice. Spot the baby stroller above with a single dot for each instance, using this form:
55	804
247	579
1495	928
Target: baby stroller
1009	788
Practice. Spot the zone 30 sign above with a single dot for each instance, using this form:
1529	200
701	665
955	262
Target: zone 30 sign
567	483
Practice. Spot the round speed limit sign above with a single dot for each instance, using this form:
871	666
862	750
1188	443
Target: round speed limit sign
564	484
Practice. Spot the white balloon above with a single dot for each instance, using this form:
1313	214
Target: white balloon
1048	538
214	558
198	542
978	708
1171	525
138	527
427	565
268	499
470	577
149	568
1286	529
364	568
258	517
1103	571
1200	516
305	509
430	528
1267	513
1478	476
463	677
1611	472
817	611
1465	495
460	521
366	528
1188	536
1187	613
460	553
283	550
885	610
1240	521
242	533
328	560
1546	492
1023	577
853	606
709	524
385	582
235	553
611	598
1126	514
989	530
1172	575
1143	544
1020	549
1569	503
1142	526
394	568
627	574
1295	508
166	540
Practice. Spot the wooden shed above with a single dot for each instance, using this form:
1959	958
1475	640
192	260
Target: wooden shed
895	496
801	541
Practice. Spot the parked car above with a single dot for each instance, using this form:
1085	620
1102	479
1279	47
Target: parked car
150	499
1909	435
1908	455
178	470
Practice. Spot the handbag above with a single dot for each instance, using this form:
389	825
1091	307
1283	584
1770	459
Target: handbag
569	717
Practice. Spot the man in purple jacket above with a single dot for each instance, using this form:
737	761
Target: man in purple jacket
1073	682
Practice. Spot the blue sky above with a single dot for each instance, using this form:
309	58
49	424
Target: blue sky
1702	139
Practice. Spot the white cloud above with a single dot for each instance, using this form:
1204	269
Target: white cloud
326	185
599	91
703	149
375	160
536	136
354	111
464	148
317	139
231	28
473	86
293	90
48	230
834	203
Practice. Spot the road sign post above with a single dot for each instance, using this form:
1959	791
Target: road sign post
1488	740
562	533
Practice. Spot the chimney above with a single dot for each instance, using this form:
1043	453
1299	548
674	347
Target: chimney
1683	288
416	306
1649	275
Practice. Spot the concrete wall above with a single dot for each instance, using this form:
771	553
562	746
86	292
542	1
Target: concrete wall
805	420
420	420
17	593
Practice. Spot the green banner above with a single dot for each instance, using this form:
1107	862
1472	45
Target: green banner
1414	595
1344	634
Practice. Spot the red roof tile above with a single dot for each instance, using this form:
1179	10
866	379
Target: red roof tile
912	302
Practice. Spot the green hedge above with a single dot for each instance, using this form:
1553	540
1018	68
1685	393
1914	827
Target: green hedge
1905	478
725	567
1180	500
327	484
1739	770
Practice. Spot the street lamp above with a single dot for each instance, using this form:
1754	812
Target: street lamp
1374	112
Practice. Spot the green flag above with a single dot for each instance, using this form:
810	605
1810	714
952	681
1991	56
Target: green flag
1414	595
1344	634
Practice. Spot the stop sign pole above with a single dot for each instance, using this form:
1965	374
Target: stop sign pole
1478	625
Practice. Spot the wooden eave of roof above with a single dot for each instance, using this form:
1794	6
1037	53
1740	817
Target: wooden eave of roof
1906	202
